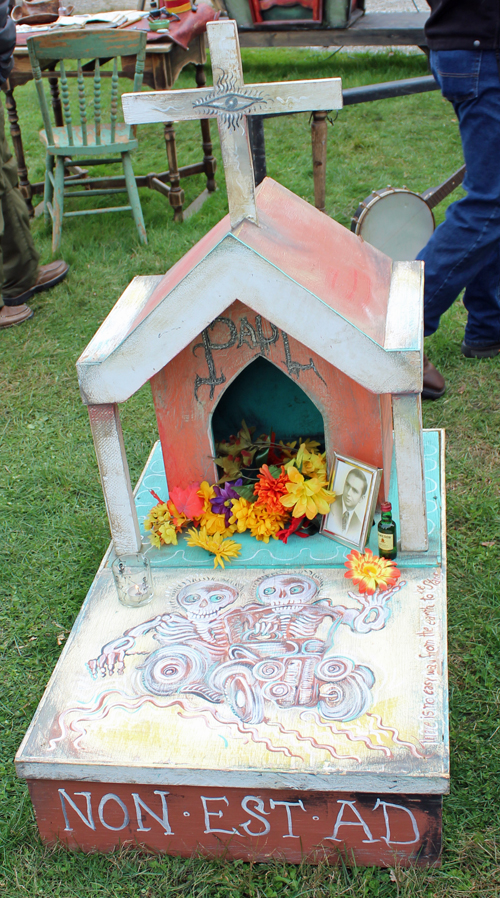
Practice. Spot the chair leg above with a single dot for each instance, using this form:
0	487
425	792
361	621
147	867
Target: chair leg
48	192
58	204
133	195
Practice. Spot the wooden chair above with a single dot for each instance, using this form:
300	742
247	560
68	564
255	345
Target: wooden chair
97	140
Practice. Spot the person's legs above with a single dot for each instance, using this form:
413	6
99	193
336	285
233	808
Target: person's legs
482	301
462	252
20	274
19	258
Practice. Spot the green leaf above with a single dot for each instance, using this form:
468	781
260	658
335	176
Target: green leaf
261	456
246	492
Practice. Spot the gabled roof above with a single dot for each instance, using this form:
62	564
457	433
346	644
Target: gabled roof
300	269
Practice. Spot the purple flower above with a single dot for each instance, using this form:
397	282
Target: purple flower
221	503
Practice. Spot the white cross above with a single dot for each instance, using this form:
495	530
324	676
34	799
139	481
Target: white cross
231	100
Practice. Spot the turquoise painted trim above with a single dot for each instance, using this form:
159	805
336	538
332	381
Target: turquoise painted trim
316	551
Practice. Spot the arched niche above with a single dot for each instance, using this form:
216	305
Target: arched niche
189	389
266	398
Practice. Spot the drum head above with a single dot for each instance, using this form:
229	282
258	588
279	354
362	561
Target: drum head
397	222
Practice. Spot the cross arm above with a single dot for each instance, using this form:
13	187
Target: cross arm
231	102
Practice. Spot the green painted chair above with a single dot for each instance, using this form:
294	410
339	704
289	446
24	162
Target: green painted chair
94	142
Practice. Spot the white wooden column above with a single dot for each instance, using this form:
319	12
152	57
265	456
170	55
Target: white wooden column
409	447
115	477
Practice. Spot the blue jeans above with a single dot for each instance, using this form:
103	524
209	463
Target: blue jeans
464	251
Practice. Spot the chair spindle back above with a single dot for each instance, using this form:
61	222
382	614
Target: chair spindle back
96	46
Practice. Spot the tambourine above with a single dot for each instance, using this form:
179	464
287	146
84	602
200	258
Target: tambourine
398	221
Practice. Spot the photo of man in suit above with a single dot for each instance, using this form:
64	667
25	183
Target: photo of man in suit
347	512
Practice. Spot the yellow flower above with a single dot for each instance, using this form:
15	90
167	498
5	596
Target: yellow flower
206	492
263	524
306	497
168	534
311	463
159	521
369	572
242	510
157	515
216	523
257	519
223	549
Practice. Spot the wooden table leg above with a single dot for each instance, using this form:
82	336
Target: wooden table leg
208	159
17	140
176	195
318	136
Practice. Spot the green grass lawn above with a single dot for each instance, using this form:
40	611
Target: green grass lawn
54	522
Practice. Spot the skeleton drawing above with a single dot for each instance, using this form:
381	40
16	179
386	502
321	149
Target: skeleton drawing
264	651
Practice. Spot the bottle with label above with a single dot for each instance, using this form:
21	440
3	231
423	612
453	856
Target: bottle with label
387	542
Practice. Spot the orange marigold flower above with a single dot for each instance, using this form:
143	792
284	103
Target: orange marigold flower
369	572
269	489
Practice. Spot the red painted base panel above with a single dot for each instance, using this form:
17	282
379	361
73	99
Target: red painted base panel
255	824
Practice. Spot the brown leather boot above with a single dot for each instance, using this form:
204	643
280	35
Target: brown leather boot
11	315
434	386
50	275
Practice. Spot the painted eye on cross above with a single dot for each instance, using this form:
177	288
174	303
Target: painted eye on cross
269	590
216	598
192	598
229	102
296	589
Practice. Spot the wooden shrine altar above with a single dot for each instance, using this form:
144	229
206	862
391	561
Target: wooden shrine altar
266	710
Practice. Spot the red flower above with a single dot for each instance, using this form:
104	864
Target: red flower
188	501
269	489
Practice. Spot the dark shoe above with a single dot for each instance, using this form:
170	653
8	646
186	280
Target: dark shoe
480	352
10	315
434	386
50	275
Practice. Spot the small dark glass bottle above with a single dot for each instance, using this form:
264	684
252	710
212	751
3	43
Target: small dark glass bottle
387	541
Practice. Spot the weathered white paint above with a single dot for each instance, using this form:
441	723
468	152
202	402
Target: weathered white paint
405	309
380	782
117	324
234	271
231	100
234	139
277	97
409	450
115	477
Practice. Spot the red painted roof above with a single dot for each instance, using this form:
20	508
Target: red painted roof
330	261
323	256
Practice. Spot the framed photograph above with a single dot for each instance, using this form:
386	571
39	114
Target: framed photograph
356	485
